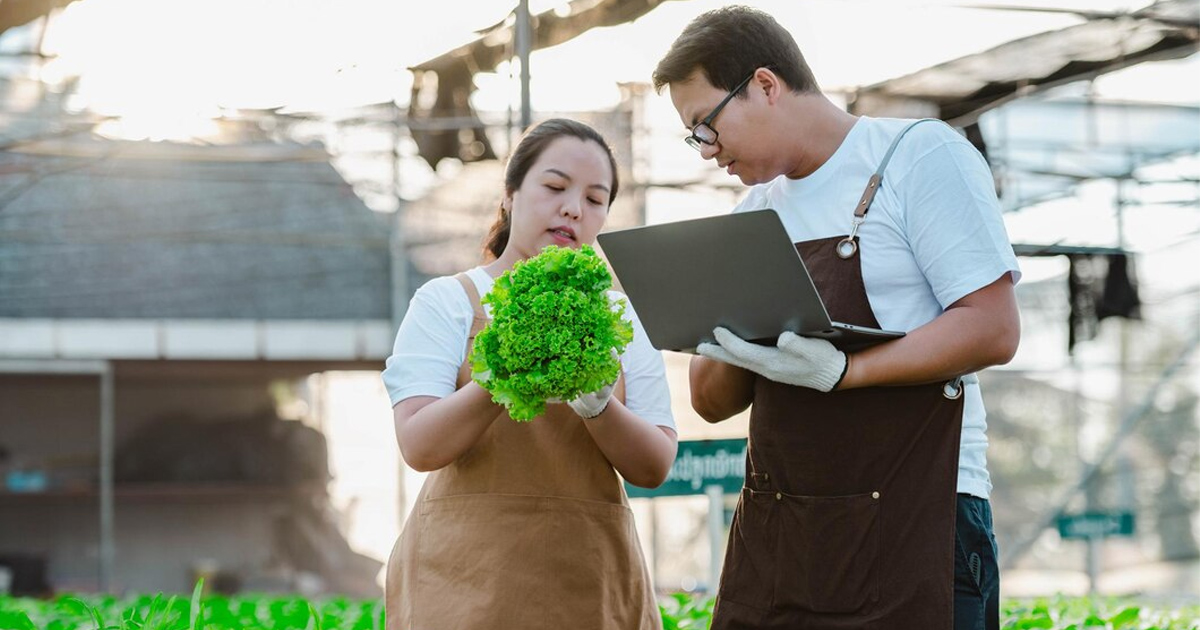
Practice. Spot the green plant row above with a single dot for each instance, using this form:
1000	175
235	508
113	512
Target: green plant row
680	612
157	612
1111	613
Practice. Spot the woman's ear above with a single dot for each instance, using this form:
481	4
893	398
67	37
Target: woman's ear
506	202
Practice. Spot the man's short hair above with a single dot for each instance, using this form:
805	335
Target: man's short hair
729	43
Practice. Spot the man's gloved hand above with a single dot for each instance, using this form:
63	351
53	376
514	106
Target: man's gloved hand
796	360
591	405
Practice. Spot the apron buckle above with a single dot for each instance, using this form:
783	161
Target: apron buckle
847	247
953	389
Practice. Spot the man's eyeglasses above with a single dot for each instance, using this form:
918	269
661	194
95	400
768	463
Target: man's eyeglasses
703	133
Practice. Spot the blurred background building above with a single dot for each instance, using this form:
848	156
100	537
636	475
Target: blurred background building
212	216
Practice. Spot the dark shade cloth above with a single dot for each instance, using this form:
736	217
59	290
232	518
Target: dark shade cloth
1100	286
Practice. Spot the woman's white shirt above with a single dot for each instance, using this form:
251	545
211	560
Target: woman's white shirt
432	343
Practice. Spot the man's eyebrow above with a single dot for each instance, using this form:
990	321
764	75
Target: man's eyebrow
568	178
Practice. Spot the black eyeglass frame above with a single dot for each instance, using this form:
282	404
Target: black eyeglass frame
694	140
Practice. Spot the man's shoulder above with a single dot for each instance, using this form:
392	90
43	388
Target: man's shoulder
933	139
929	133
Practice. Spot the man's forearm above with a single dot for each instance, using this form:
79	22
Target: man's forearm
981	330
719	390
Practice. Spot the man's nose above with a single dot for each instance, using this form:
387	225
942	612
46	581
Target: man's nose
709	151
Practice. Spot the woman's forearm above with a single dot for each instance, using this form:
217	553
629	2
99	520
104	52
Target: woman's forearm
641	452
433	432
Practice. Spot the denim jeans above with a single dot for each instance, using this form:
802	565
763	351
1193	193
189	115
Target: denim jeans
976	569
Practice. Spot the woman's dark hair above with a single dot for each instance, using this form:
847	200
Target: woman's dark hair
729	43
528	150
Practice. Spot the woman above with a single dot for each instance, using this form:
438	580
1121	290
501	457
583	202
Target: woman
524	525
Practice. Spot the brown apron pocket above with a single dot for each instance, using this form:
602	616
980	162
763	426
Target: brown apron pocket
532	561
750	558
828	551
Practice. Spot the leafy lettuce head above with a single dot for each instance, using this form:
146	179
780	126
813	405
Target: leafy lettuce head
553	332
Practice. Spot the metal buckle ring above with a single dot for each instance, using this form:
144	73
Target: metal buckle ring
847	247
953	389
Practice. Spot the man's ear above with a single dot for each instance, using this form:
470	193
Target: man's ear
769	83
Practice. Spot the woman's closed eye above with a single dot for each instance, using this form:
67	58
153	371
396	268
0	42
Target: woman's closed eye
558	188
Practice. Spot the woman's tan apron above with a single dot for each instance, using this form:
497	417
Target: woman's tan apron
847	516
529	529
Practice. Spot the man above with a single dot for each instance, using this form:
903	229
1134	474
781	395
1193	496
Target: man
866	485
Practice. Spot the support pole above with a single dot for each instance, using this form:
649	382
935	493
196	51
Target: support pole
398	250
716	535
654	539
524	43
107	417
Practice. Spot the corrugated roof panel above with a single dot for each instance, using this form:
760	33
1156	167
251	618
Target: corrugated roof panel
178	237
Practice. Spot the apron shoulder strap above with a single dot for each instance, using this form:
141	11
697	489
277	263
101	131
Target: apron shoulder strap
477	324
468	285
876	180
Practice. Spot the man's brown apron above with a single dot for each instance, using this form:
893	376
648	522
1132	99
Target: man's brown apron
529	529
846	519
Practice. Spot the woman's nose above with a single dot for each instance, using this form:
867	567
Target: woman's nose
572	208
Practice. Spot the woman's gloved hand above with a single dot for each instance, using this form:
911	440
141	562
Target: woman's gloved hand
796	360
590	405
593	404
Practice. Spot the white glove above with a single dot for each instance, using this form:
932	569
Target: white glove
796	360
591	405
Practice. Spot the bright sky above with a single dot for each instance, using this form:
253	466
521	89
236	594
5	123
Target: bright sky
201	55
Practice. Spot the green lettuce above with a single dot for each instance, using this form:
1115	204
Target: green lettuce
553	332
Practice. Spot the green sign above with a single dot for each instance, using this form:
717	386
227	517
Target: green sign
1095	525
700	464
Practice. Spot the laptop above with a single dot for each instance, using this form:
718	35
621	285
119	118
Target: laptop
740	271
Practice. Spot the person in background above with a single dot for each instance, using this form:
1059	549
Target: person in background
524	525
866	496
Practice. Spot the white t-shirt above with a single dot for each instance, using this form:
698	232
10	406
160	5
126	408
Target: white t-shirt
933	234
432	343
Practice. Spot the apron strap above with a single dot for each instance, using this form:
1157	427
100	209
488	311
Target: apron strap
477	324
848	247
472	294
876	180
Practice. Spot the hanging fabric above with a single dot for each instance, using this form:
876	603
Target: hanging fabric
1100	286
